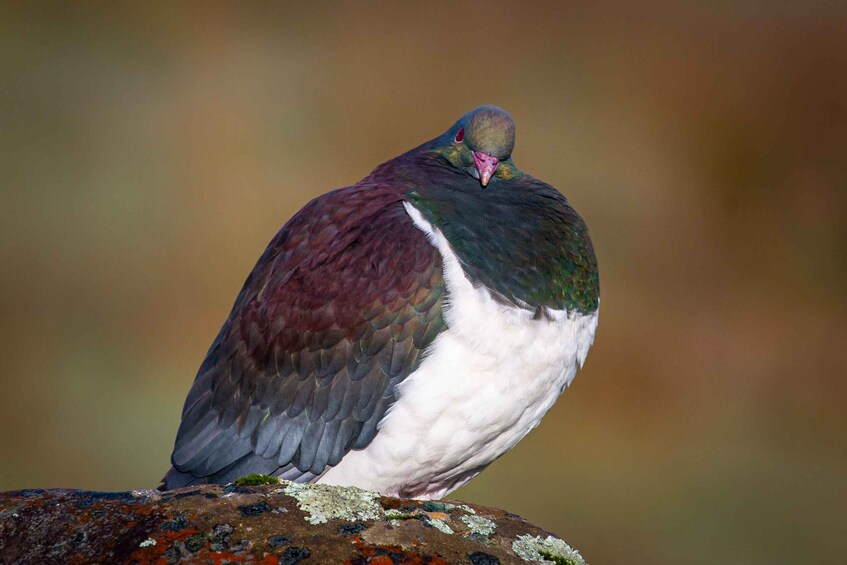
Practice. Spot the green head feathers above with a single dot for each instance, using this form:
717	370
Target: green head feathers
481	143
490	130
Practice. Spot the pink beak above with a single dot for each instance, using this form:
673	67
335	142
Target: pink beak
486	165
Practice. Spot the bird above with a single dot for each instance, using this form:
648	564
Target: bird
402	333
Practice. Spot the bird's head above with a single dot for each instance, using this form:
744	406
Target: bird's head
481	144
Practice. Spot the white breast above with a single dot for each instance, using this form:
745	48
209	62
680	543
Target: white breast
486	382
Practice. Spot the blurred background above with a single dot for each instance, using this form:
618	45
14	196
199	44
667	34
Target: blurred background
148	152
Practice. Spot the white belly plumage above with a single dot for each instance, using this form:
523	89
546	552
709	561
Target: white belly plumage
485	383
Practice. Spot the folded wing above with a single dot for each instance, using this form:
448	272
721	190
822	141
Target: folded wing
337	312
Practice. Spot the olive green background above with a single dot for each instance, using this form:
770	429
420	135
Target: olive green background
149	151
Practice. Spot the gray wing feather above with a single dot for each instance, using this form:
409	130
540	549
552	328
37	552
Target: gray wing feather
290	442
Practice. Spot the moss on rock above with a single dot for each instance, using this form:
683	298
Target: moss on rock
256	479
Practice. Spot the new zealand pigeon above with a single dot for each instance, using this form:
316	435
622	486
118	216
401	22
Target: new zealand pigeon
402	333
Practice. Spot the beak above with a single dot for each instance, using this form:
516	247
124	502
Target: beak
486	165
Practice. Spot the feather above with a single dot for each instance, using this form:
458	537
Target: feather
268	435
348	429
370	394
305	391
317	406
337	391
309	444
324	449
290	442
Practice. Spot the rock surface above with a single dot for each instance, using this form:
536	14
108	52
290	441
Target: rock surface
285	523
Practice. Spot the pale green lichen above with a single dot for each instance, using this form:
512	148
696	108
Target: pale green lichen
467	509
556	559
392	514
439	525
147	543
546	550
325	502
479	525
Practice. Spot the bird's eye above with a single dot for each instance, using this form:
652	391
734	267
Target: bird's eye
460	135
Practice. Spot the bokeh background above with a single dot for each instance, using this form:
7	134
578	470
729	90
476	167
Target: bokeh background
149	152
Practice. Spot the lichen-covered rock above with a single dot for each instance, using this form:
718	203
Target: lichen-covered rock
269	524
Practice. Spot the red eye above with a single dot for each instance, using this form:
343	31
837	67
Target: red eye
460	135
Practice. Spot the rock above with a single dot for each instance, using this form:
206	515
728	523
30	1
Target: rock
286	523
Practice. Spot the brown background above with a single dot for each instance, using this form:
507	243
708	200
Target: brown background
149	153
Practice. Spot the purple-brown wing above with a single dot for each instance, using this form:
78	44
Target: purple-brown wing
336	313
